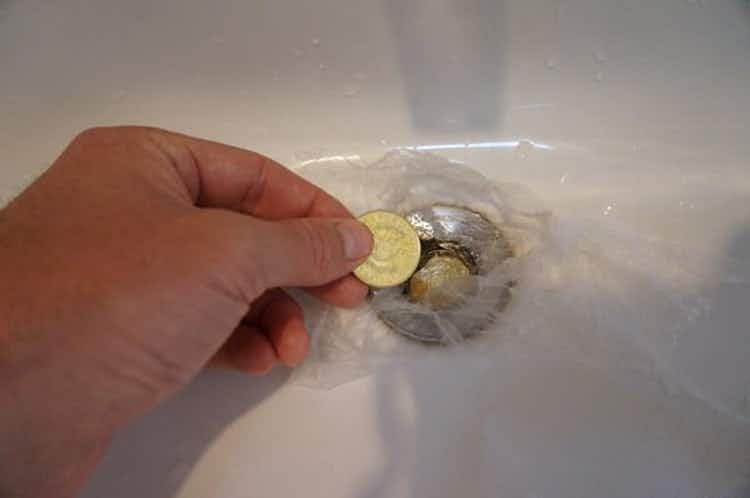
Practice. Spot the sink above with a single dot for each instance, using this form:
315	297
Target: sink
628	122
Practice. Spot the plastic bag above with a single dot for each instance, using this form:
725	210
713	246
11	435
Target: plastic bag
347	344
603	295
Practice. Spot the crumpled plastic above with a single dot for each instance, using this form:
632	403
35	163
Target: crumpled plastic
347	344
604	296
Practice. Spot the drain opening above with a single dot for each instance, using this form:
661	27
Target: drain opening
449	297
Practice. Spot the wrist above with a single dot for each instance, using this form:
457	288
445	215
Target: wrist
45	451
41	458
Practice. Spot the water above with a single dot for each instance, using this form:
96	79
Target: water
524	148
686	204
552	63
596	290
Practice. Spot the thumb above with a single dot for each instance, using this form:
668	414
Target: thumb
306	252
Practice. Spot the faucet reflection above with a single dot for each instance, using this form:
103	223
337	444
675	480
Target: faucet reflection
452	55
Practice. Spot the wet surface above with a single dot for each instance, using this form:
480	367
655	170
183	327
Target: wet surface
625	373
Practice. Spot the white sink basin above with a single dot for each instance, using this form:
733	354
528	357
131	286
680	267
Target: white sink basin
639	113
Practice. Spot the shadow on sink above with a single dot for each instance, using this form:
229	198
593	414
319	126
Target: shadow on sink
161	448
550	428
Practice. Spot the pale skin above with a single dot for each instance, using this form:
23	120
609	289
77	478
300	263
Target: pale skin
138	259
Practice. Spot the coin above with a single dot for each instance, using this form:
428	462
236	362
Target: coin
396	250
443	282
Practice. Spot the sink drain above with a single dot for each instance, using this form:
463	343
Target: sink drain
449	297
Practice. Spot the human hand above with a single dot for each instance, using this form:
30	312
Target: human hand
138	258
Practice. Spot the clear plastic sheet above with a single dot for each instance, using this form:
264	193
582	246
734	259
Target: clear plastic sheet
347	344
605	296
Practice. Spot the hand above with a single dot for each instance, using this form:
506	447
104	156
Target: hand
137	259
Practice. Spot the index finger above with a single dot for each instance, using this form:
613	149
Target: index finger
222	176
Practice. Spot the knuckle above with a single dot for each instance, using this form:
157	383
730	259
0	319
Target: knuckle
106	148
111	134
92	139
89	135
256	186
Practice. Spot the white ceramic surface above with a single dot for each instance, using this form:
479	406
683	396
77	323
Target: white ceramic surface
641	111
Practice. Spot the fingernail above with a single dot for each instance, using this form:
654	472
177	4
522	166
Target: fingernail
356	237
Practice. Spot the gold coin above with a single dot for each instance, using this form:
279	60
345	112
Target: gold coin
443	282
395	253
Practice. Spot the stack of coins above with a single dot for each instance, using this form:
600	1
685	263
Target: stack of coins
428	272
440	283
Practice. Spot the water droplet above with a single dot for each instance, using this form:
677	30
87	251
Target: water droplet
316	42
383	141
359	76
608	210
687	205
322	66
524	148
599	76
600	57
351	91
298	52
552	63
275	75
564	178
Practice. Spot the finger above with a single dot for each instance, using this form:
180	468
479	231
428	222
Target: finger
346	292
222	176
247	350
256	307
283	323
306	252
